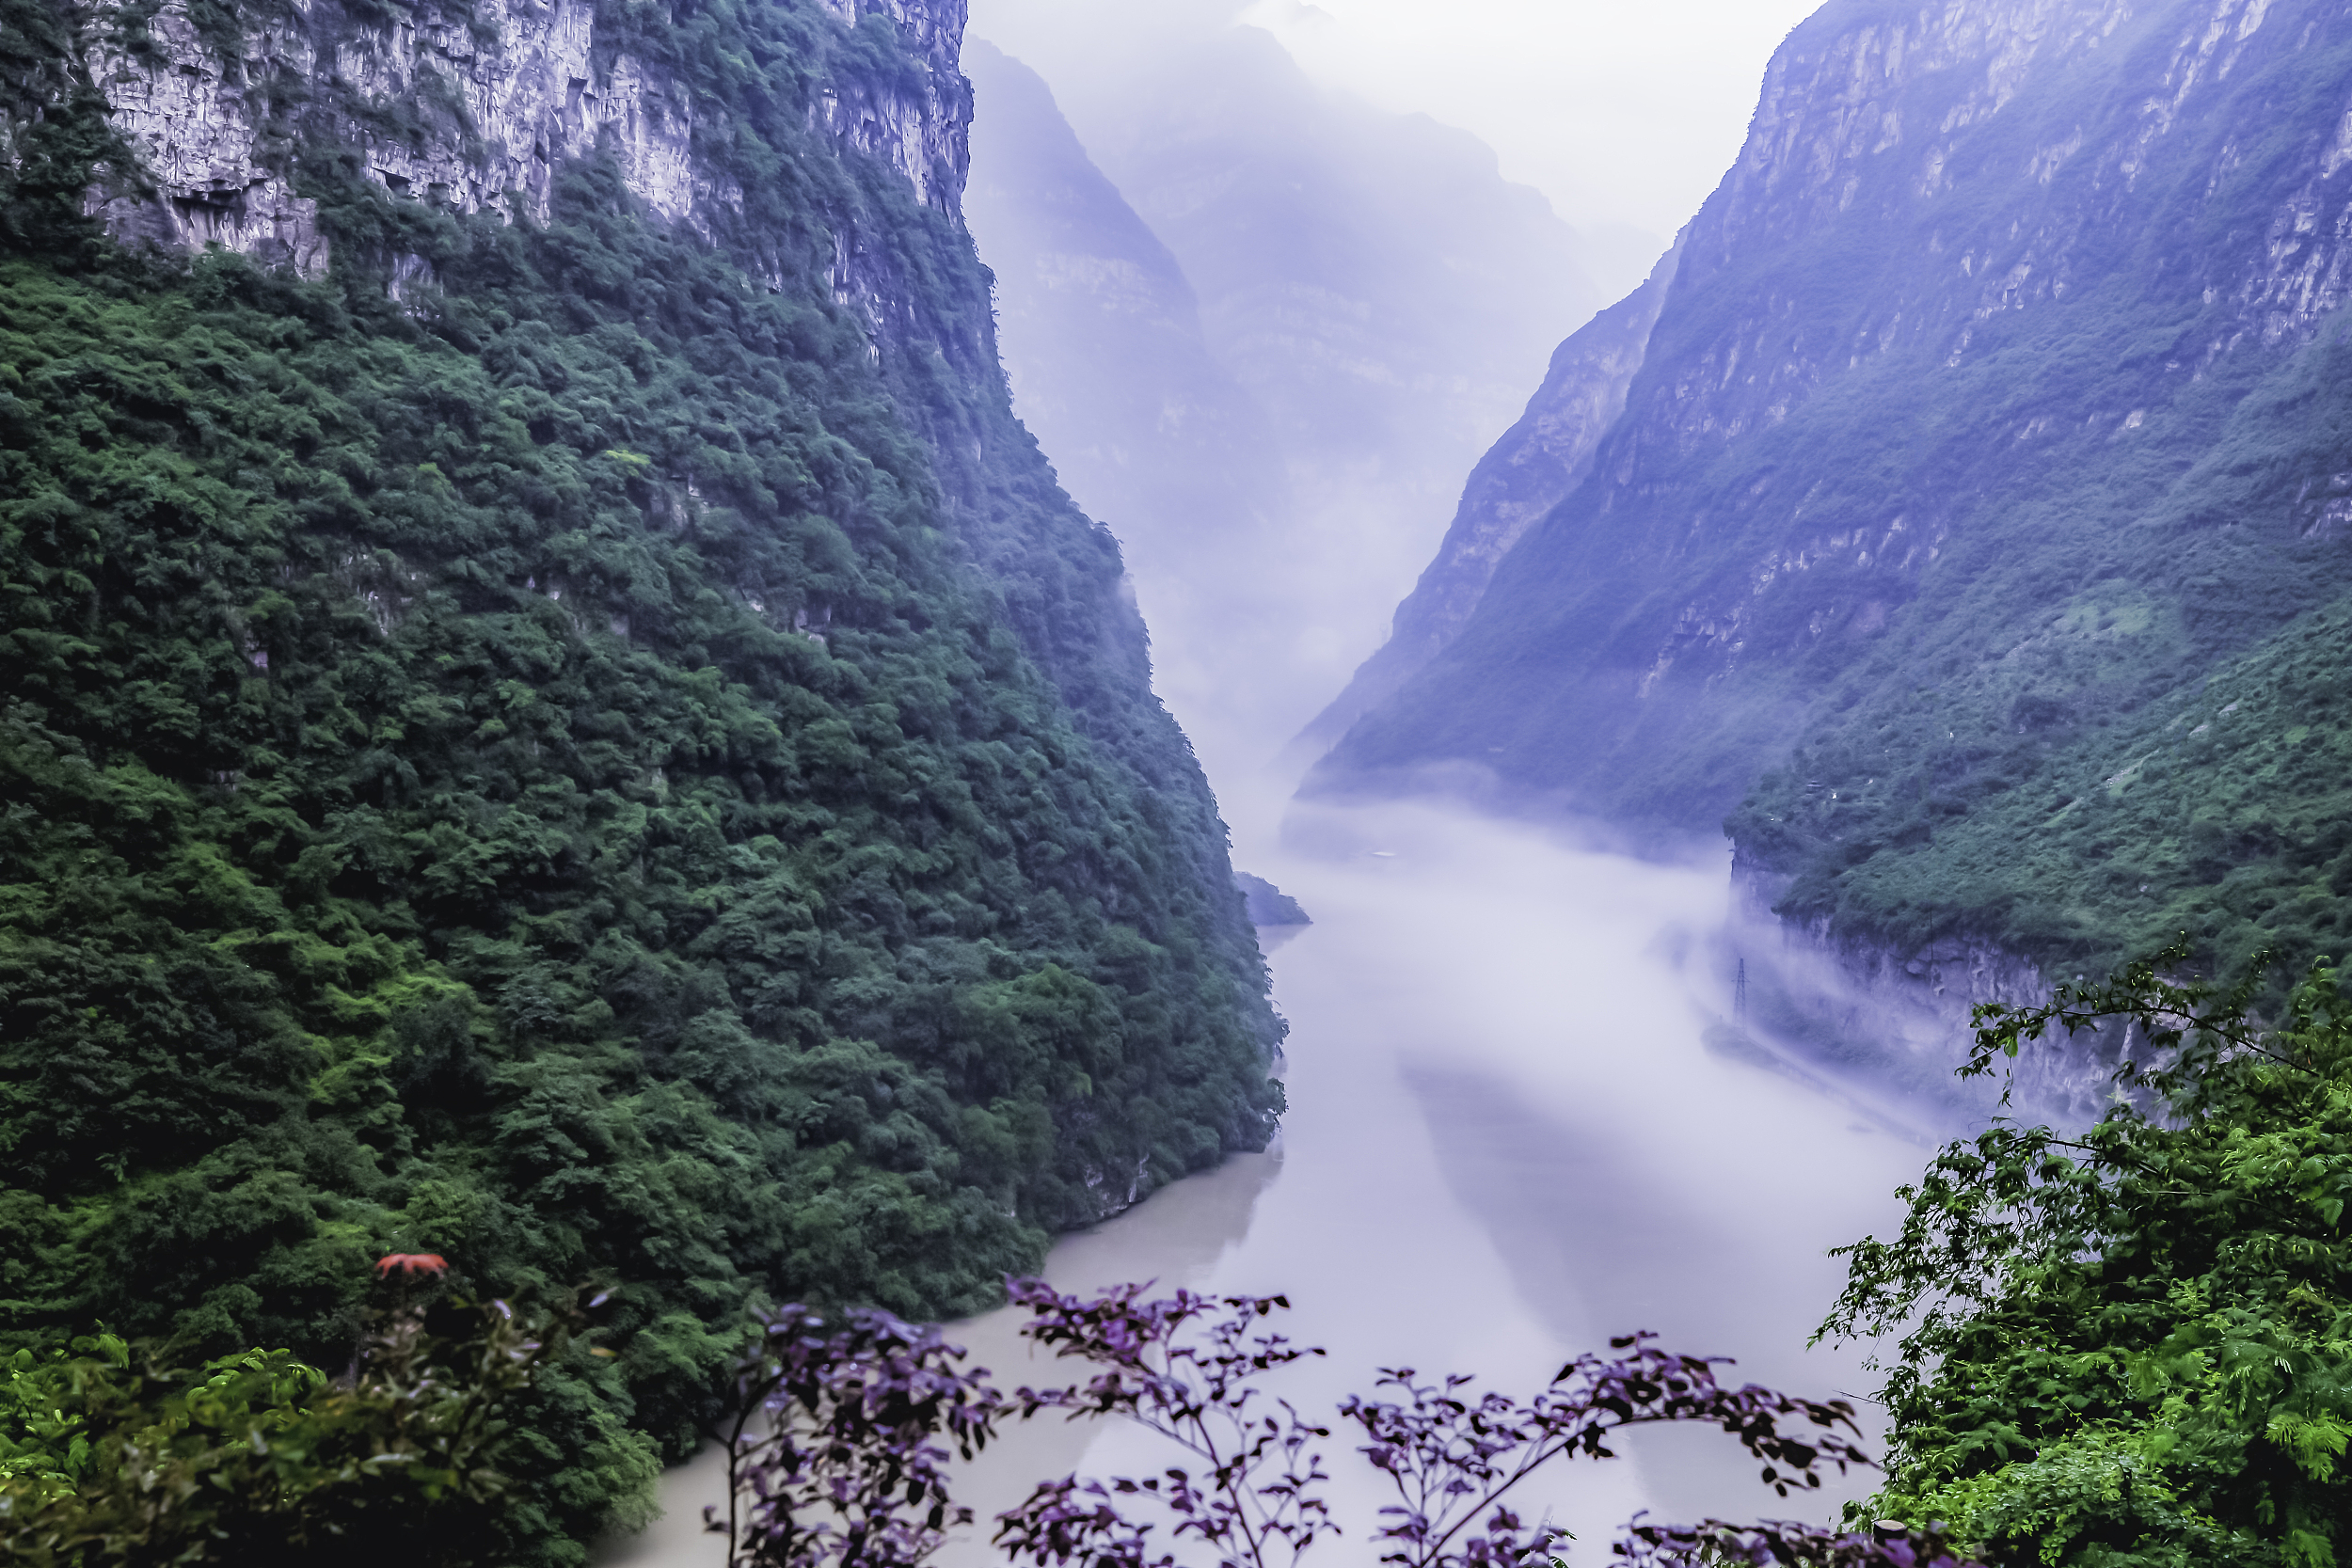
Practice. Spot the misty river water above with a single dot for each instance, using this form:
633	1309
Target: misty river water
1506	1143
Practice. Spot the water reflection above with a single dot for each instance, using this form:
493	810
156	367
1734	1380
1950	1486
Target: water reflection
1506	1143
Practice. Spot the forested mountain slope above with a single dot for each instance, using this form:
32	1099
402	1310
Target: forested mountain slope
548	711
1991	442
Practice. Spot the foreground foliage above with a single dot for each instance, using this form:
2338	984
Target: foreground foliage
839	1454
840	1459
834	1452
257	1458
2133	1344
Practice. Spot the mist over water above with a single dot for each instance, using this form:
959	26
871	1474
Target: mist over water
1506	1143
1507	1138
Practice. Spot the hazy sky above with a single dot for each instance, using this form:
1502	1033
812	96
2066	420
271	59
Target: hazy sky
1624	111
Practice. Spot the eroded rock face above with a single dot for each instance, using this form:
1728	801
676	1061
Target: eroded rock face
1527	473
1899	1017
197	138
469	114
1894	115
2011	146
925	134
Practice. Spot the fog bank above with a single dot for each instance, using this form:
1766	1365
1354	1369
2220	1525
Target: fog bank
1264	331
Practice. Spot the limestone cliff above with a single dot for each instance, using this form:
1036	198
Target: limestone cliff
1521	477
463	108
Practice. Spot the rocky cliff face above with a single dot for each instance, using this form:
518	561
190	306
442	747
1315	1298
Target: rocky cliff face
1522	477
1992	406
2069	119
462	109
1901	1015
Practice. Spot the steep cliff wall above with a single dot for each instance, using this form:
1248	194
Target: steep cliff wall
1522	477
466	108
1888	1018
550	712
1994	409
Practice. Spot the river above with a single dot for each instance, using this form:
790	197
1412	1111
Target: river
1506	1143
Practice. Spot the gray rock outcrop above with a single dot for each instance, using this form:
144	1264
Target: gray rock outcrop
1531	470
469	114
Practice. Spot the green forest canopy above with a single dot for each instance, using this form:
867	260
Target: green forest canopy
2133	1345
559	771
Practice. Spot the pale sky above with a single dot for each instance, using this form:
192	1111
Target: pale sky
1624	111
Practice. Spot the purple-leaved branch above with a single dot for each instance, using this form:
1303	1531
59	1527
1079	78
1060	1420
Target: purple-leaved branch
839	1457
1184	1366
838	1453
1452	1454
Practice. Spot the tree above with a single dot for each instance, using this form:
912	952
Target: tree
830	1456
109	1454
2133	1344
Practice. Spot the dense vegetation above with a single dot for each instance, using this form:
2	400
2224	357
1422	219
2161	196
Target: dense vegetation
585	767
111	1455
2081	765
2218	809
2130	1346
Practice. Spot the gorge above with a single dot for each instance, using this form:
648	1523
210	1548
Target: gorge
576	699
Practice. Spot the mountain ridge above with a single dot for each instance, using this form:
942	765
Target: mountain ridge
1990	405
